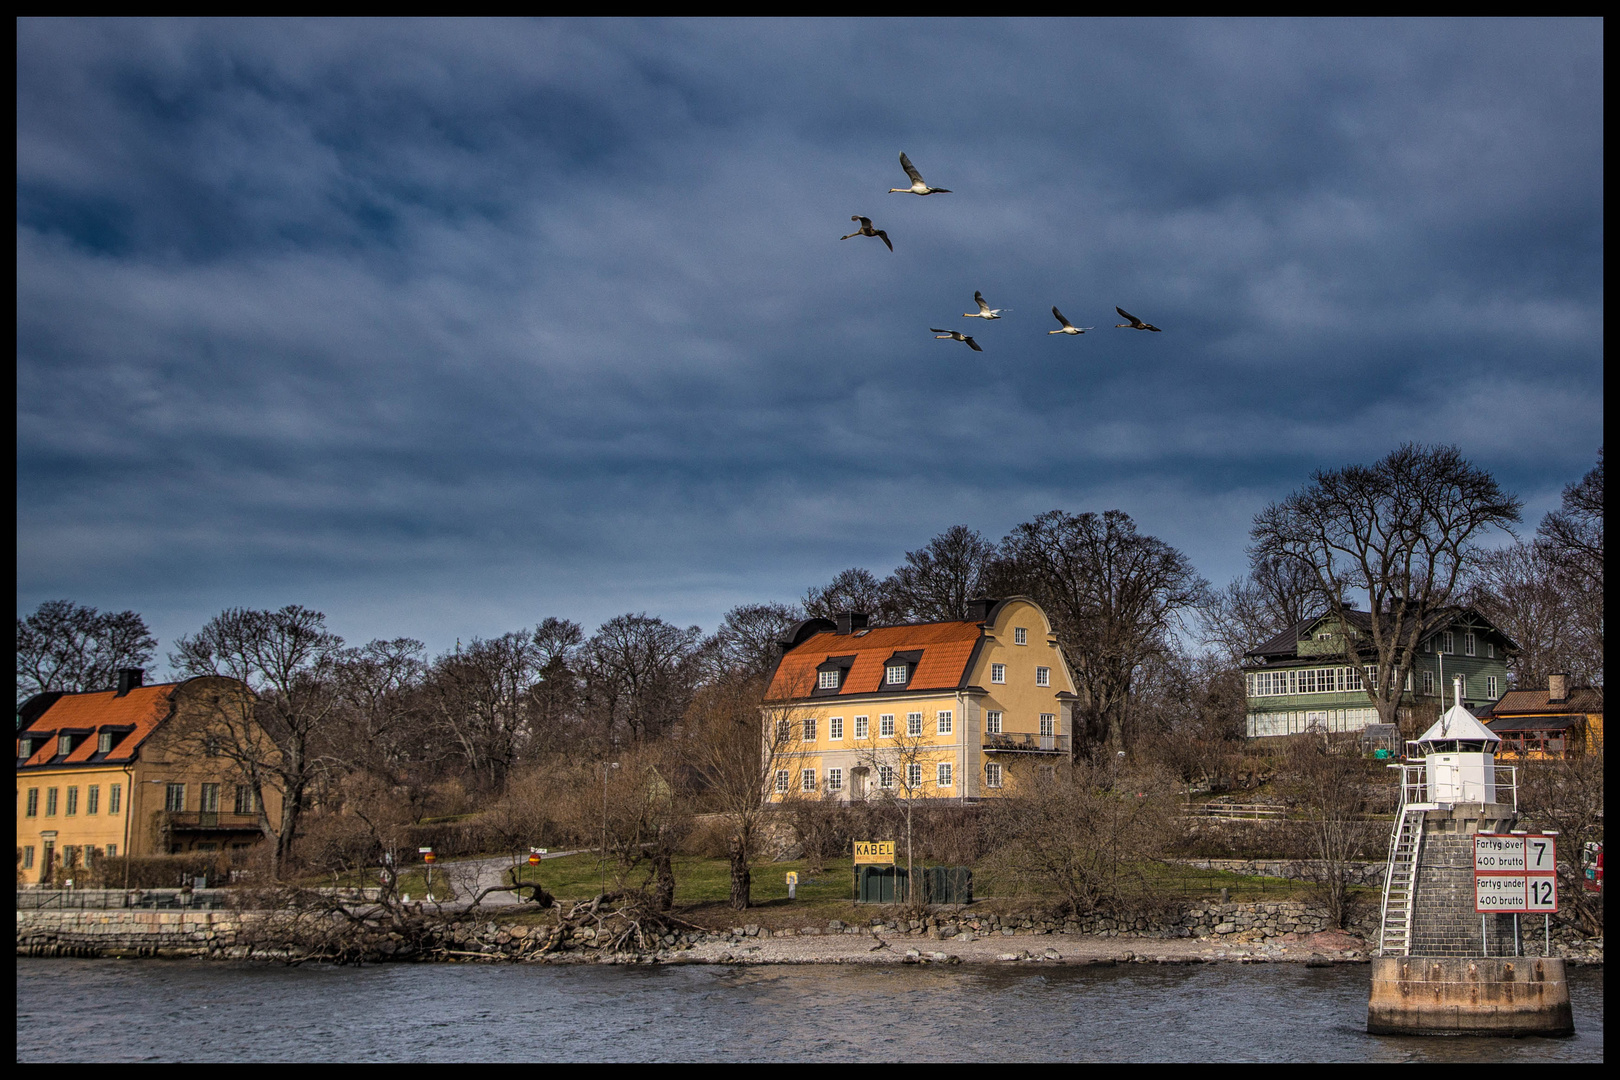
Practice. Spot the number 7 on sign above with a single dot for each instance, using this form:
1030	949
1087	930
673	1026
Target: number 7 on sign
1540	852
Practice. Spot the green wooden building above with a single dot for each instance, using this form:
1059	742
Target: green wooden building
1300	679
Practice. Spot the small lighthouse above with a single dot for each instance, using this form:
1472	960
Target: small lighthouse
1442	967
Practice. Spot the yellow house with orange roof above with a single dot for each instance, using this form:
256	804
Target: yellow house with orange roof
111	772
950	710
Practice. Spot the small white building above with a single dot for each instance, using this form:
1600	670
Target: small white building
1459	755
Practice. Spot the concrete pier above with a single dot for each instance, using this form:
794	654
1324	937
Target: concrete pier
1469	995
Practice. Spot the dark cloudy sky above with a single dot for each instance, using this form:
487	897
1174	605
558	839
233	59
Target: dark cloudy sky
445	327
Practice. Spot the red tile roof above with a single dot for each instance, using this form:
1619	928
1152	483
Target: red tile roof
142	709
1582	699
946	649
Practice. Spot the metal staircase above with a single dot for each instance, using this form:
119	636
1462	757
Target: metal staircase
1400	882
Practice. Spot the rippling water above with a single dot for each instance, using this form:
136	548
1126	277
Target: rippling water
150	1010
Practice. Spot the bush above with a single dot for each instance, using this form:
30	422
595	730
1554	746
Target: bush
160	871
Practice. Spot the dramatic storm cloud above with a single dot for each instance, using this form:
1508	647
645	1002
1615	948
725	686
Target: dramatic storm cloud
445	327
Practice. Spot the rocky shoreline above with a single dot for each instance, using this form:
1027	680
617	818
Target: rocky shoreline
1210	934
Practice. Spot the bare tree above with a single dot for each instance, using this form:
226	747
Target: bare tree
1328	782
747	644
1275	594
1403	533
1113	596
1572	538
479	697
638	675
1522	590
1089	833
854	589
936	582
67	646
903	762
1567	794
287	658
736	747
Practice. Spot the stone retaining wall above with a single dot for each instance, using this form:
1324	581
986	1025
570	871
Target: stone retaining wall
1364	873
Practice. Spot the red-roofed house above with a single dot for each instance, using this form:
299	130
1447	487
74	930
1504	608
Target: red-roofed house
951	710
109	772
1556	720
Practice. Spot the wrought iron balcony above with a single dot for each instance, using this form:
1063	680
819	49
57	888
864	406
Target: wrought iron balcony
189	820
1026	744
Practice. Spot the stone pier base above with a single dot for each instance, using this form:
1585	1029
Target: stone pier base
1469	995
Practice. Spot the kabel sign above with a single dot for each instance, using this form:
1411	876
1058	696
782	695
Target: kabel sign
874	851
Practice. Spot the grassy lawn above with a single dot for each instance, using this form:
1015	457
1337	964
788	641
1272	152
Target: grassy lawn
703	890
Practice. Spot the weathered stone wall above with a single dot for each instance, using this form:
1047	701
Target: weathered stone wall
1360	873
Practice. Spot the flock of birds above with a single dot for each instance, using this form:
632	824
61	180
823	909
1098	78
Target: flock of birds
919	186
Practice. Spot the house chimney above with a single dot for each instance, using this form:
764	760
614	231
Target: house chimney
850	621
128	679
1558	687
978	608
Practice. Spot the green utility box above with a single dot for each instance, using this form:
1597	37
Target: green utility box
940	884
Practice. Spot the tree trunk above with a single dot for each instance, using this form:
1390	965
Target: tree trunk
663	881
740	879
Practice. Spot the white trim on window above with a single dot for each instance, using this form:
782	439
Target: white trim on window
943	775
1020	636
992	775
913	775
835	779
829	680
896	674
781	780
1043	676
947	722
998	673
885	776
886	726
992	723
810	729
835	727
914	723
862	727
807	780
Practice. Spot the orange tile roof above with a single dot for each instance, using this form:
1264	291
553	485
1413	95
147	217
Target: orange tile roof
143	708
1582	699
946	648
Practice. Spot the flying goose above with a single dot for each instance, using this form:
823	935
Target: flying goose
867	230
955	335
1135	323
918	187
1068	327
985	310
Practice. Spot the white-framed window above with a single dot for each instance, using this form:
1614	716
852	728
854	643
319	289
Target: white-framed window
810	730
897	674
829	680
914	723
914	775
64	744
1048	723
210	798
885	776
1448	644
992	723
862	727
104	746
886	726
946	721
835	727
1428	684
1043	676
174	798
781	780
992	775
1469	644
92	799
835	779
942	777
807	780
1409	682
784	730
1020	636
1490	649
245	802
998	673
1490	687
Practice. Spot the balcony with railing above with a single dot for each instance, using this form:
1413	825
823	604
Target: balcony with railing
1026	743
209	820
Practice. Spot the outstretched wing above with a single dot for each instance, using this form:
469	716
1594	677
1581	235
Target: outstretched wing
911	170
1127	314
884	237
866	222
1059	315
937	330
974	345
978	298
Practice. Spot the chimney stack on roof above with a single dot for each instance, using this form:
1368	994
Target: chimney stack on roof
850	621
1558	687
978	608
128	679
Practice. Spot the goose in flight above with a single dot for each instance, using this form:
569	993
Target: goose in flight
955	335
918	187
1135	323
985	310
867	230
1068	327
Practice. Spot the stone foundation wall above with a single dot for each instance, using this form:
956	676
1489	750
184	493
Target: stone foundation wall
1366	873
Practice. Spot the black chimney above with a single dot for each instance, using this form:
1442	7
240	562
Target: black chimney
978	608
128	679
850	621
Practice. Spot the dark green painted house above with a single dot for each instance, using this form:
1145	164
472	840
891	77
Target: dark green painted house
1299	680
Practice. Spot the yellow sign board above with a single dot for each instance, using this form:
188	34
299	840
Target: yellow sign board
874	851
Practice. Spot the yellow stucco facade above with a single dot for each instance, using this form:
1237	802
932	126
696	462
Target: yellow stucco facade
994	707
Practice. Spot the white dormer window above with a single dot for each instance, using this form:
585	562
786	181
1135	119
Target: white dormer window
897	674
1043	676
1490	649
64	744
829	680
998	673
105	746
1448	644
1468	644
1020	636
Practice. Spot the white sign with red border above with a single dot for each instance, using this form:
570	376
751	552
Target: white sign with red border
1515	874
